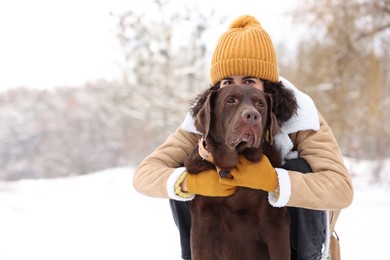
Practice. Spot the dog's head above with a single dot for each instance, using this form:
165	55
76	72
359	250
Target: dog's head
235	120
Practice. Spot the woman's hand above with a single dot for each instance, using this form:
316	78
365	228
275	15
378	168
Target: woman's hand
255	175
207	183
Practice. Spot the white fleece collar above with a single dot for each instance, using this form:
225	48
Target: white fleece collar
306	117
189	124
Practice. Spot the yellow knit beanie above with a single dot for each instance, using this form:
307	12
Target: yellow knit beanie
246	50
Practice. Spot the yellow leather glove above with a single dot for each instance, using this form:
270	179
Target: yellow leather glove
255	175
207	183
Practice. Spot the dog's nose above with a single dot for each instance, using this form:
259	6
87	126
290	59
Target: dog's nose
251	116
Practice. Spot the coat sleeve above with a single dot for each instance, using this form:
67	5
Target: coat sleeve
152	175
329	186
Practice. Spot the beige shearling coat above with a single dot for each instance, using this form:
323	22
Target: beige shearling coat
307	135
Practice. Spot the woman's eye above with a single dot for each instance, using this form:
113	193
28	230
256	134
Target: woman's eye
250	81
227	82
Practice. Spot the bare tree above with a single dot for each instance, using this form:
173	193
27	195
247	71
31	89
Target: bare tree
84	129
343	63
166	61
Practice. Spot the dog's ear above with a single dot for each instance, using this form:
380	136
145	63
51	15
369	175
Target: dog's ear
272	122
203	117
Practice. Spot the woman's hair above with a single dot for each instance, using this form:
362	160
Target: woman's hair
284	102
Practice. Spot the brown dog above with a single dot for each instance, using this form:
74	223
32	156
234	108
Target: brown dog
236	120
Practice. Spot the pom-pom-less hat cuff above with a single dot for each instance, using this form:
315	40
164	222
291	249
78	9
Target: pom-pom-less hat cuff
172	182
284	189
244	66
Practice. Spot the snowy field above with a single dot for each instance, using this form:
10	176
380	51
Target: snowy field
100	216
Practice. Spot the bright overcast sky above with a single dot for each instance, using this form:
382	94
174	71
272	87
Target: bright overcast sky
46	43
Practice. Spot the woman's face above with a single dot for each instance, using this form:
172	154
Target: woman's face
243	80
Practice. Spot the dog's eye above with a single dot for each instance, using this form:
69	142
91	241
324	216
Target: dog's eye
231	100
260	103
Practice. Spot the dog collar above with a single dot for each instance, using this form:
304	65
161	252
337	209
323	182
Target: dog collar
206	155
203	152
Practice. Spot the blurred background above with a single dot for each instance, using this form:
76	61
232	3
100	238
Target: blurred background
88	88
90	85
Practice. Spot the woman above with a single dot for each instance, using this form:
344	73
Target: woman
245	55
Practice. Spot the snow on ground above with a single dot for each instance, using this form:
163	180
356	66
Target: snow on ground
96	216
100	216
